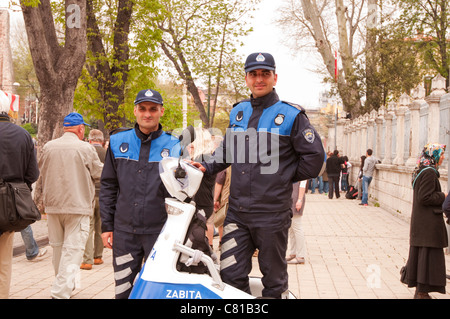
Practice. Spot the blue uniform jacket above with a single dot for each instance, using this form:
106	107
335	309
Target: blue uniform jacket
132	194
270	145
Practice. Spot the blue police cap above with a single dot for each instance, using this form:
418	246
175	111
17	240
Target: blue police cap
74	119
259	60
148	95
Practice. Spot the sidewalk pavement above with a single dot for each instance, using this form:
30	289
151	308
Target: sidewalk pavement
352	252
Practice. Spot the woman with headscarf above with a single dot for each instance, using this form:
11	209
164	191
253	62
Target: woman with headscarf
425	268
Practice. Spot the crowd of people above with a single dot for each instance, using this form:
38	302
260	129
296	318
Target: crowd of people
112	197
334	179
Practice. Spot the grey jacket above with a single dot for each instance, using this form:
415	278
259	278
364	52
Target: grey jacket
369	166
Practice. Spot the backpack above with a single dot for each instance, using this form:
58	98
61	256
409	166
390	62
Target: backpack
352	193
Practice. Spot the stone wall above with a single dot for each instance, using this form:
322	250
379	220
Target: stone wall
391	187
397	134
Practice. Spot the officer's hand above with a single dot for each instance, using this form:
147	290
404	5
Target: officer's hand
107	239
198	165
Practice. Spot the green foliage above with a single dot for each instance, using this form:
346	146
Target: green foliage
199	41
30	128
29	3
398	69
95	93
428	23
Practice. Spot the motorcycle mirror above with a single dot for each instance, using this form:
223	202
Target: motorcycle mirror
187	136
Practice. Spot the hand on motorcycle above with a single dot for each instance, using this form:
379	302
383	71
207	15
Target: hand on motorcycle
196	164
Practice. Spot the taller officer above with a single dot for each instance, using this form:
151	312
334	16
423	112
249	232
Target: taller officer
270	144
132	195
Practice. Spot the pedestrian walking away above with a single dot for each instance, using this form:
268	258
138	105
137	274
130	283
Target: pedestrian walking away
333	168
17	164
270	144
69	168
93	251
132	206
425	268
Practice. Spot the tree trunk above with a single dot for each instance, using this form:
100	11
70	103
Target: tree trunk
346	84
57	66
349	90
185	73
373	91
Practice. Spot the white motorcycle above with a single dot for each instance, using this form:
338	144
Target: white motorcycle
160	278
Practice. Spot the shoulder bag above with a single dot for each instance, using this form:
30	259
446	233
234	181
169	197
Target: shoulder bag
17	208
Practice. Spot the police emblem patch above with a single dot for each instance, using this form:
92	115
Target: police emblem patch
309	136
279	119
165	152
149	93
123	147
260	58
239	116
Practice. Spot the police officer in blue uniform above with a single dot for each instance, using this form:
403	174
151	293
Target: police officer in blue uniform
132	195
270	145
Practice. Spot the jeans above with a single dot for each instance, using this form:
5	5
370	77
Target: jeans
31	246
315	181
344	182
325	186
365	189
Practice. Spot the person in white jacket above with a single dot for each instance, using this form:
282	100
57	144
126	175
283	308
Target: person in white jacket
69	169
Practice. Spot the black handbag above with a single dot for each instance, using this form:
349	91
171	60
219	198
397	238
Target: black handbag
17	208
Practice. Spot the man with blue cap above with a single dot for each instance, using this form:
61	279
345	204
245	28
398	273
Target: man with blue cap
69	168
270	144
132	195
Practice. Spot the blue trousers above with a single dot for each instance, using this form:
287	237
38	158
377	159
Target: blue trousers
365	189
129	253
31	247
245	232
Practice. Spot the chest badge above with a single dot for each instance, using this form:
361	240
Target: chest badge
279	119
124	147
240	116
165	152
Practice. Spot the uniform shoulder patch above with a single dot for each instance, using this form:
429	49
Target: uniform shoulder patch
118	130
298	107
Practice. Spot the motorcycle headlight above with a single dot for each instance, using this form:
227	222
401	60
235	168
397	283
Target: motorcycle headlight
173	210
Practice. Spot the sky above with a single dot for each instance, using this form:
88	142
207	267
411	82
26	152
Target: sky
296	82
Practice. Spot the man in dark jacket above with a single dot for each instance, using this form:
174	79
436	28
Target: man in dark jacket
333	171
132	195
17	164
270	144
